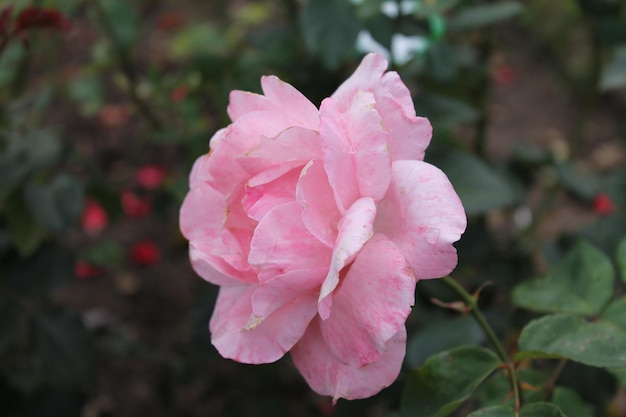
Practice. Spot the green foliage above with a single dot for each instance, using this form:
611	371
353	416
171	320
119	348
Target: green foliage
446	380
531	410
571	337
473	17
570	403
581	284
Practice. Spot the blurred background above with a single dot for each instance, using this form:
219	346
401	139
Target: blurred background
105	104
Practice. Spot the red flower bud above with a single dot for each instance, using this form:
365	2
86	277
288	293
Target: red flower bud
603	205
84	270
94	218
40	18
145	253
133	205
150	177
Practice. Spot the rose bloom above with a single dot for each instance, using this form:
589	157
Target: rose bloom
317	224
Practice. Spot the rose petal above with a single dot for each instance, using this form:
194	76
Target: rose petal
355	148
319	211
355	229
281	243
371	304
326	375
263	197
237	334
365	78
423	215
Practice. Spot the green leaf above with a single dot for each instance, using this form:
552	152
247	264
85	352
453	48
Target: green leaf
426	9
123	20
108	254
88	91
446	380
621	259
531	410
578	181
63	349
620	375
199	40
56	205
565	336
445	111
26	233
480	187
610	31
9	316
615	313
570	403
485	14
581	284
442	335
330	29
496	390
614	74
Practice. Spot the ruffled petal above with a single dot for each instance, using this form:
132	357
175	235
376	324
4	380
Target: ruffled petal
355	148
371	304
264	192
423	215
281	243
237	334
355	229
327	375
365	78
319	211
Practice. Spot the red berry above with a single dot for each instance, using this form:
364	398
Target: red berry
133	205
145	253
94	218
84	270
150	177
603	205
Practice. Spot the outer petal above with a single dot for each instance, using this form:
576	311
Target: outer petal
355	229
355	148
319	210
365	78
237	335
371	305
281	243
328	376
279	97
423	215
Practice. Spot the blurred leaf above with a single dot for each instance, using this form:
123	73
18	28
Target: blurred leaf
615	313
621	259
620	375
571	337
473	17
570	403
49	268
530	410
63	349
89	93
446	380
610	31
56	205
9	62
30	151
330	29
442	335
614	74
582	184
198	40
123	20
445	111
581	284
9	316
480	187
442	61
108	254
26	233
426	9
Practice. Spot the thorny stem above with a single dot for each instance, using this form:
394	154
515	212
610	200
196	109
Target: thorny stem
555	375
127	67
482	321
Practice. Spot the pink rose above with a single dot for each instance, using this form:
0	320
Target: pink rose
317	224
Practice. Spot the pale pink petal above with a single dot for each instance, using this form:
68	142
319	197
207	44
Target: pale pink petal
291	102
237	334
371	305
262	197
409	136
327	375
281	244
355	229
204	221
319	210
280	98
423	215
356	152
365	78
219	267
392	87
292	145
285	288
